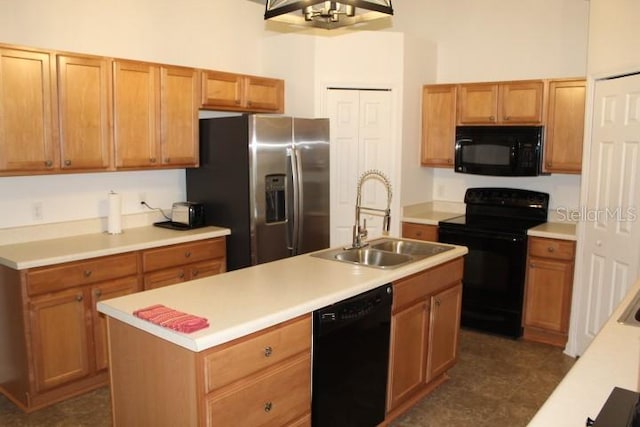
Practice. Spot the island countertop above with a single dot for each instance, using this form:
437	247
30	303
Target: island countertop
611	360
243	301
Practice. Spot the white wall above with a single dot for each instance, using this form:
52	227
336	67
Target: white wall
494	40
613	37
185	33
488	40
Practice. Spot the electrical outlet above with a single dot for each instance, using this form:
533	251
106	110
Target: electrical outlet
142	197
36	211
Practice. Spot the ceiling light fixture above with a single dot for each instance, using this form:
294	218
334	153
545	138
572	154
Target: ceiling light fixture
327	14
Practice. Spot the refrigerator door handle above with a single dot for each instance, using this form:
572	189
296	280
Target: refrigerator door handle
296	169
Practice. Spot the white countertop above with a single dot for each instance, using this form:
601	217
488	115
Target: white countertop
243	301
40	253
611	360
554	230
431	213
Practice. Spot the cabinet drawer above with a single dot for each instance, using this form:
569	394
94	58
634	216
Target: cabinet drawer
420	231
275	398
256	352
425	283
171	256
206	268
62	276
169	276
552	248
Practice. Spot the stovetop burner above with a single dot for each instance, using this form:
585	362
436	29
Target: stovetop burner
507	210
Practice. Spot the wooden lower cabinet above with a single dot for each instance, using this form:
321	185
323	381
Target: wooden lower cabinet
411	230
185	261
425	327
53	337
547	303
263	379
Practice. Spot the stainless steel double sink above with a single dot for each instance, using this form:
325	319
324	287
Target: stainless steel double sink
385	252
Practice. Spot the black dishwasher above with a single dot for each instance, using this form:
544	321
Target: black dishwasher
351	360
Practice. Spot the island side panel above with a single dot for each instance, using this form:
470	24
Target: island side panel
153	382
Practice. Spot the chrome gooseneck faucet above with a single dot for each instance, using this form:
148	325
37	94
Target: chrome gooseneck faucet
360	231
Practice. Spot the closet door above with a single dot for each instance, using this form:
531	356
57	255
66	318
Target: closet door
608	235
361	139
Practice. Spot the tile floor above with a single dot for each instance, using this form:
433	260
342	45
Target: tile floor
498	382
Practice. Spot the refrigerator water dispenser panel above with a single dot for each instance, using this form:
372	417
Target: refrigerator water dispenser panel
274	185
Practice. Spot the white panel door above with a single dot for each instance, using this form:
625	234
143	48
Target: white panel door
360	140
610	250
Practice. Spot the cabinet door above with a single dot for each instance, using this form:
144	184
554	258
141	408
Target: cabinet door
59	331
477	103
420	231
27	141
565	126
207	268
262	94
170	276
444	330
408	355
521	102
548	295
84	100
438	125
136	114
103	291
179	116
221	89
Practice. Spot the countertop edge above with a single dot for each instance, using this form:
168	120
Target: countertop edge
205	233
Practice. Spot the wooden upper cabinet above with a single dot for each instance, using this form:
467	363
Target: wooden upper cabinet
565	126
262	94
84	108
180	90
477	103
27	127
221	89
501	103
136	90
237	92
438	125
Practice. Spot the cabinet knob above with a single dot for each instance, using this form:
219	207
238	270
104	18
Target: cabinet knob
551	249
419	233
268	406
548	164
507	117
87	273
48	163
152	160
181	275
67	162
195	273
268	351
598	243
79	297
492	118
437	302
98	293
187	254
168	160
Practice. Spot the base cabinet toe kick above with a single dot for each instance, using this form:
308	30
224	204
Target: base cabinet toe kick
264	378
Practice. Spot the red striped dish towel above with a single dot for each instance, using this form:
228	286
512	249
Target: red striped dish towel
172	319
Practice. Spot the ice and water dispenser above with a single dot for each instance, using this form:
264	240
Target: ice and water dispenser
275	198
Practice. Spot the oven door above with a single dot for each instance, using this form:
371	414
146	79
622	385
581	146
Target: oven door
493	280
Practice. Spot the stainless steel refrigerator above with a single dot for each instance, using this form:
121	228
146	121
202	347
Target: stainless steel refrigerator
267	179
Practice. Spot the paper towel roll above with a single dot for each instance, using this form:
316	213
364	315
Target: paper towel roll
114	221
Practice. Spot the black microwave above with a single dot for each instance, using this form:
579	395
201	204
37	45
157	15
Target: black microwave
499	150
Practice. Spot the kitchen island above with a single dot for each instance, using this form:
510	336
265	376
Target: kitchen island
164	377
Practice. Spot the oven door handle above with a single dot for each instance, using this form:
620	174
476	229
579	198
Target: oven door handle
482	234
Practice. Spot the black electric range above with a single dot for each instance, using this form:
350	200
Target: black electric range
494	229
